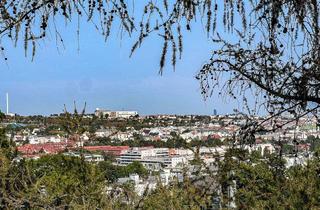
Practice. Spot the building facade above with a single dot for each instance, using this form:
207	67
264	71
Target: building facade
114	114
152	158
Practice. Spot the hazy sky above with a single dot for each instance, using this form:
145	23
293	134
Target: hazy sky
103	75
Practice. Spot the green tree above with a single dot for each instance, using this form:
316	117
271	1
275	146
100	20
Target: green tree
54	181
314	142
136	168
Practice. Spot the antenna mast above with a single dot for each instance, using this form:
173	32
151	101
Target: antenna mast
7	103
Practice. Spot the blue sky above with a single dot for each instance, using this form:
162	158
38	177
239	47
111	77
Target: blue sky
103	75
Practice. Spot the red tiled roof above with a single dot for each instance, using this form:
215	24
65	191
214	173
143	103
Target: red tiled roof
304	146
116	150
172	151
214	136
102	148
47	147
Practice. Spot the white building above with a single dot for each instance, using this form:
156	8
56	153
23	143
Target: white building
115	114
104	132
141	185
18	139
263	148
141	153
44	139
152	158
122	136
87	157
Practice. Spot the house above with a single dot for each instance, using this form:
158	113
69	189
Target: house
104	132
47	148
87	157
45	139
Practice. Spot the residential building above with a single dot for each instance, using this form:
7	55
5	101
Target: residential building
152	158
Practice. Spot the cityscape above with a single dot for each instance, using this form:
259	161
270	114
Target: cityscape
159	105
164	144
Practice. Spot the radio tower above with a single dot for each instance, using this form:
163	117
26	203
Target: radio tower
7	103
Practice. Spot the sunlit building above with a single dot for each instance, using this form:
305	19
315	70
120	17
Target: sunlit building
114	114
